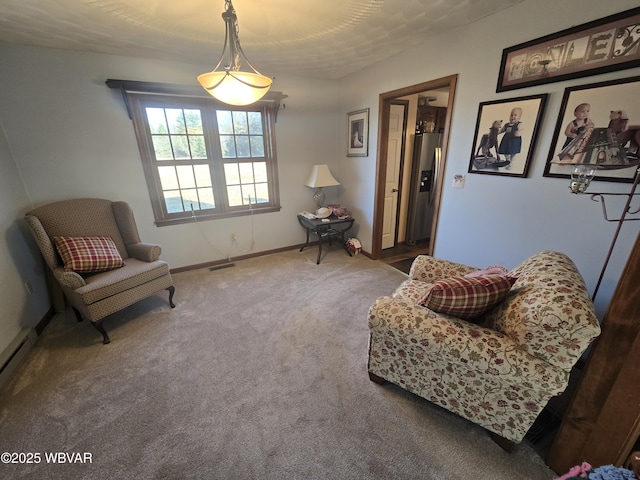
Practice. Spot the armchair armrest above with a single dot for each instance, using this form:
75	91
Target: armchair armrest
451	340
145	252
430	269
71	280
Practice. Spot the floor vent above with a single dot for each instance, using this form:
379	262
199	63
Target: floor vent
15	353
224	265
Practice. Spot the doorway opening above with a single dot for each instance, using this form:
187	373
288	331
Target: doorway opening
389	178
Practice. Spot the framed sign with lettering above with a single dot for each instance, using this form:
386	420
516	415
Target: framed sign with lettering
604	45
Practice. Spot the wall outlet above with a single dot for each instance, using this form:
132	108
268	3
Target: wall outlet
234	238
458	181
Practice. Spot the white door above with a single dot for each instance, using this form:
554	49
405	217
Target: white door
394	153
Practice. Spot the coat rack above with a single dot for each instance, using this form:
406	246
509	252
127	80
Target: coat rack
601	197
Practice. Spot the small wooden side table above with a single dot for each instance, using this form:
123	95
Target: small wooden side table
326	231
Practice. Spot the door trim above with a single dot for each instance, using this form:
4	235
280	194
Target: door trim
384	103
405	104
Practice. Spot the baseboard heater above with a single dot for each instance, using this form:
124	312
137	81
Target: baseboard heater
15	353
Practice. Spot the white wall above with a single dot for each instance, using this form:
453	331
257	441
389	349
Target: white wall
18	262
495	220
66	134
71	137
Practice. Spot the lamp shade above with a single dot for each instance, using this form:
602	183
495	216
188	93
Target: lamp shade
320	176
235	87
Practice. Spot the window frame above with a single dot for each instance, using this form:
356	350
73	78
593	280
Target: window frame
140	95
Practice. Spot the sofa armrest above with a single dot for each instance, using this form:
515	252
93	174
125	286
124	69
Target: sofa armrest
430	269
145	252
447	339
67	279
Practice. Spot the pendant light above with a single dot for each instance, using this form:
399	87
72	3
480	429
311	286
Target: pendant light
229	83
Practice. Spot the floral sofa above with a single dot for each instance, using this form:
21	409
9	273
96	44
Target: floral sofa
500	369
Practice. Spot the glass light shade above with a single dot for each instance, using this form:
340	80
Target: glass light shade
581	177
235	87
227	81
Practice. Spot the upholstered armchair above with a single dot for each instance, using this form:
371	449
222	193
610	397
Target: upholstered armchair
93	249
497	369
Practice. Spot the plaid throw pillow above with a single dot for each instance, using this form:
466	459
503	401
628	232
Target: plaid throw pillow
465	297
88	254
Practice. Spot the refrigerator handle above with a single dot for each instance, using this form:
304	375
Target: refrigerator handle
436	171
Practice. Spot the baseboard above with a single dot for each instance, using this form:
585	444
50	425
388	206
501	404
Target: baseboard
13	356
45	320
217	263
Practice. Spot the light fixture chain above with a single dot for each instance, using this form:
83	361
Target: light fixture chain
231	83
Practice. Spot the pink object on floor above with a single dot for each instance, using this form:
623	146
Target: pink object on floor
577	471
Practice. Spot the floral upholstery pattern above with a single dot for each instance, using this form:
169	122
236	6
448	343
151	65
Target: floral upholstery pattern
498	374
548	311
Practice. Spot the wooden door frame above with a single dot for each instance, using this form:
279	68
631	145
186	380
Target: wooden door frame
405	104
384	103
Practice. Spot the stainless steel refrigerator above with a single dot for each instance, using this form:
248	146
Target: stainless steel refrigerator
425	163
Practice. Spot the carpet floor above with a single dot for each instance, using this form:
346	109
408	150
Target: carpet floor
258	373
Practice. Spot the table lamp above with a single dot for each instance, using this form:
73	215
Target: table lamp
319	177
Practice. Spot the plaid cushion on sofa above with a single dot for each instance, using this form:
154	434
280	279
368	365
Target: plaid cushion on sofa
465	297
88	254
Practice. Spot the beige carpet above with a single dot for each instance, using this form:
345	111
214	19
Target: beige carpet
258	373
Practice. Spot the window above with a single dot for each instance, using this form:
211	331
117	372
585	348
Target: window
205	159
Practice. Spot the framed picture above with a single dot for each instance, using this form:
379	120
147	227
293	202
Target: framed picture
594	116
358	133
604	45
505	134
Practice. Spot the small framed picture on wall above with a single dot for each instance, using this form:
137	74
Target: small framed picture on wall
358	133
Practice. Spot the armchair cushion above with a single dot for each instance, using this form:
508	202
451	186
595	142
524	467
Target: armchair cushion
490	270
465	297
104	285
430	269
88	254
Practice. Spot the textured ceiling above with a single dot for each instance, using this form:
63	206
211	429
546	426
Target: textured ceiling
326	38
